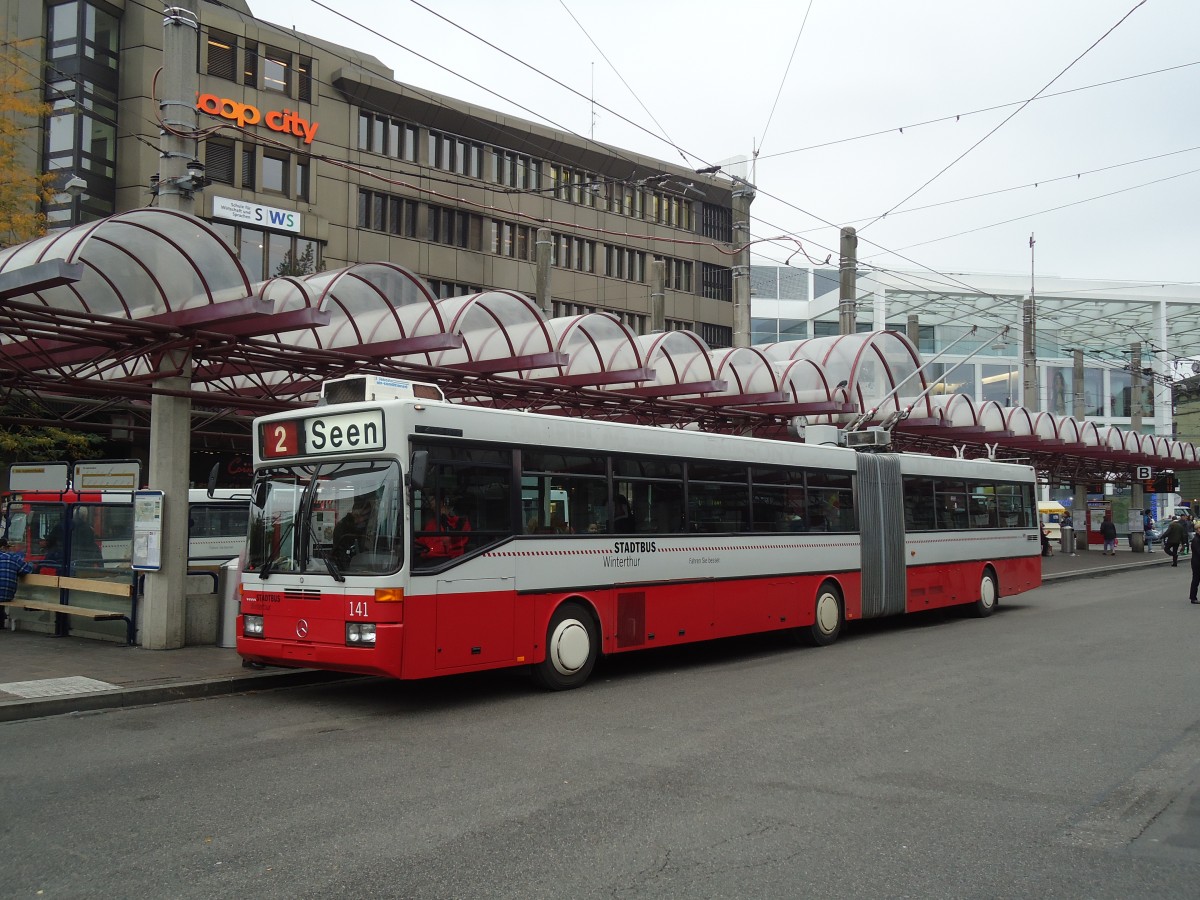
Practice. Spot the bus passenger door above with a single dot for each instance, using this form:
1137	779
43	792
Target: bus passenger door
880	508
476	622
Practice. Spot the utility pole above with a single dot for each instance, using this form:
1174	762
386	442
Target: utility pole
743	195
848	283
165	603
1080	511
1029	393
544	252
1137	495
658	295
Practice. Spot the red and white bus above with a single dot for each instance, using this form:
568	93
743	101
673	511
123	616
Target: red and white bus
393	537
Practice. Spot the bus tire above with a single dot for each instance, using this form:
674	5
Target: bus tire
828	617
572	647
989	595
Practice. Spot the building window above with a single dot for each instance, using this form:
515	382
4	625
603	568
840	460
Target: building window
80	132
275	171
303	172
716	282
270	255
385	212
277	71
218	160
222	55
304	75
717	223
716	336
453	154
248	167
455	227
389	137
250	67
516	170
444	289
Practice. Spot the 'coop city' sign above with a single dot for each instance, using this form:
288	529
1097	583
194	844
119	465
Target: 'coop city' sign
286	121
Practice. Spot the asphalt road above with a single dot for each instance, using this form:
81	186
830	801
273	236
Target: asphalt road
1050	751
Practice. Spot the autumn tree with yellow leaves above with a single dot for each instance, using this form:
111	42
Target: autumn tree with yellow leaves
24	188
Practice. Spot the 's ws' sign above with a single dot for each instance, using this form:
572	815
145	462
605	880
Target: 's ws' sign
256	214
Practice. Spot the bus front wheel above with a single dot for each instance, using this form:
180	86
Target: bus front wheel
572	646
828	617
989	595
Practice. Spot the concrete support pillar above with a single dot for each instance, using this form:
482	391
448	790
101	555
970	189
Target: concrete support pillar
913	330
165	601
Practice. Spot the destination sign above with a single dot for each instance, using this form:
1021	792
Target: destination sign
318	435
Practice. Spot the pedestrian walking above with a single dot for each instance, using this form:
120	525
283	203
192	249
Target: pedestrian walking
1176	536
1188	528
1195	565
1147	527
1108	531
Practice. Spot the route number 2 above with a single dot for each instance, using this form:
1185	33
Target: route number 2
280	439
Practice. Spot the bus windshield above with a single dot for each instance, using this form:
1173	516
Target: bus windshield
340	519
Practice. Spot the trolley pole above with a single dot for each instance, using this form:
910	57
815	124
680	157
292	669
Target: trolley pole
1137	494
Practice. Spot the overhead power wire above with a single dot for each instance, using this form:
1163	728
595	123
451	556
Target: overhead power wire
958	116
632	92
1040	212
783	80
1009	117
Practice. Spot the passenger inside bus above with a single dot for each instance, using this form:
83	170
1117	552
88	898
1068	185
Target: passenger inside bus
445	534
350	533
623	519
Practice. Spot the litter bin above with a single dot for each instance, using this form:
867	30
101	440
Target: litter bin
1068	540
227	591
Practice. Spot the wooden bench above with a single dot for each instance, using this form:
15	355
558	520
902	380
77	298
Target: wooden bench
89	585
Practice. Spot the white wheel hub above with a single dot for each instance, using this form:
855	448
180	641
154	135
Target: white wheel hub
570	647
987	592
827	613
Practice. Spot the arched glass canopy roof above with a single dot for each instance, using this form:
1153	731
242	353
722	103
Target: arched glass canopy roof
107	301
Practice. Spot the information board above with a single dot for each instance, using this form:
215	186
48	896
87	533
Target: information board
147	531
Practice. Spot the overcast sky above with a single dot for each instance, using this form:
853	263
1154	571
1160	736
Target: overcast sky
831	149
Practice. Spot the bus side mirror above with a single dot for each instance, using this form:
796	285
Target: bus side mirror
212	479
258	496
419	469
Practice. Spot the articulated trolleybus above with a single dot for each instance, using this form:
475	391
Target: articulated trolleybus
393	533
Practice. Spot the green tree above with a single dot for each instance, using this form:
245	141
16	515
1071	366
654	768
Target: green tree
23	187
33	443
297	264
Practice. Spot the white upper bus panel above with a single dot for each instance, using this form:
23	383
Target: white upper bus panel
358	388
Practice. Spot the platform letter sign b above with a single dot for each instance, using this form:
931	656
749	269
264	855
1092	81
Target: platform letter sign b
1144	473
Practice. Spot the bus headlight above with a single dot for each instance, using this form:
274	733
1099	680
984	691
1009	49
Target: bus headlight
360	634
252	626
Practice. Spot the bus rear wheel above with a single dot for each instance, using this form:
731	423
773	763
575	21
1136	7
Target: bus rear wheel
828	617
989	595
572	647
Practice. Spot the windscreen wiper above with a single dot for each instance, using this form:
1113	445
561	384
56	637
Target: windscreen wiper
332	566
